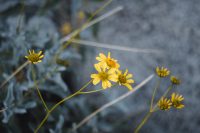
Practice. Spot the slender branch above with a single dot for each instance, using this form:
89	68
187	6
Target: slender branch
88	92
154	92
102	89
87	25
153	109
76	32
143	122
57	104
14	73
39	93
115	47
164	95
4	109
86	119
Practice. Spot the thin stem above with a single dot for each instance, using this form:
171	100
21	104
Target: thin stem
57	104
38	91
20	17
154	92
2	110
143	122
14	73
164	95
107	105
88	92
76	32
167	91
115	47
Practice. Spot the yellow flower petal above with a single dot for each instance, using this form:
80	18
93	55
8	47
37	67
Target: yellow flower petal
97	67
104	84
129	76
130	81
40	52
128	86
126	72
41	56
96	81
102	56
108	54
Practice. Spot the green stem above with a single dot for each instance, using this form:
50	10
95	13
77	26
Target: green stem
88	92
154	92
57	104
164	95
168	90
38	91
143	122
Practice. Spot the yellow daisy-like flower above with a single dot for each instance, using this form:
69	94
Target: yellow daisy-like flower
175	80
35	57
103	75
108	62
81	15
176	100
164	103
124	79
66	28
162	72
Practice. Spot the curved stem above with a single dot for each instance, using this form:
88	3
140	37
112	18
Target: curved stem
38	91
57	104
143	122
154	92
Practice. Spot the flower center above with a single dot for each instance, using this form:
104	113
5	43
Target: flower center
34	58
103	75
176	103
122	79
164	106
111	63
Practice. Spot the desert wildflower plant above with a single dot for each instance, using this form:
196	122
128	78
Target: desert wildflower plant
104	75
162	72
107	62
175	80
176	100
34	57
108	76
164	103
125	79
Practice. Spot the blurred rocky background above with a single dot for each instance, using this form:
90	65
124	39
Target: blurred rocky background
172	27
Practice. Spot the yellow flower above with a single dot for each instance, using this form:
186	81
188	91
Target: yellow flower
164	104
34	57
176	100
175	80
103	75
162	72
81	15
66	28
107	62
124	79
